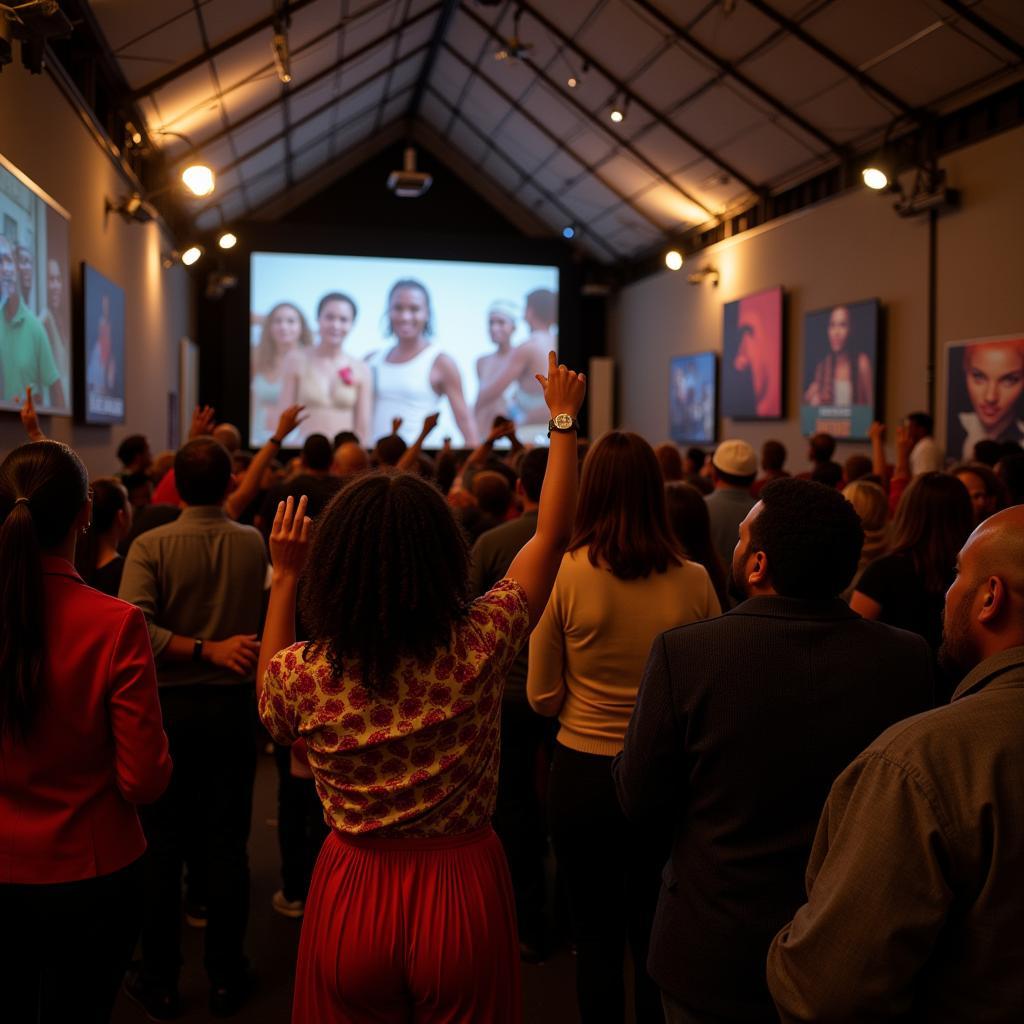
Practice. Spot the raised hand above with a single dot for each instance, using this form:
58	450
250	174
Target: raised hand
429	422
396	424
289	537
289	420
203	420
564	390
876	431
506	429
29	420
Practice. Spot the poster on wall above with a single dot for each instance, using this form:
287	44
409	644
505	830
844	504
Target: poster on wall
103	333
691	401
35	326
752	372
840	376
984	393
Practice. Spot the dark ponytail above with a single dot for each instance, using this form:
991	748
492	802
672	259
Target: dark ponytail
108	498
43	486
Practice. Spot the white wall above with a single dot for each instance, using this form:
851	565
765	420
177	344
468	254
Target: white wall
852	247
44	137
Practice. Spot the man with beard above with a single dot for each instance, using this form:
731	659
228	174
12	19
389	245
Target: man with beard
915	904
742	724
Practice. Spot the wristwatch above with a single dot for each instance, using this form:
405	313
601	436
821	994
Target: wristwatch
197	651
275	440
563	423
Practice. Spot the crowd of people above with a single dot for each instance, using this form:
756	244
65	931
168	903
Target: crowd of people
769	725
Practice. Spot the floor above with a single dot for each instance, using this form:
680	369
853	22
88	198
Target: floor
548	989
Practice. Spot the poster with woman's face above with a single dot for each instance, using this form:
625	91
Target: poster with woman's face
984	393
752	357
691	399
840	376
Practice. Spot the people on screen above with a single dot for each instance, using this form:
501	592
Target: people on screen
842	378
994	378
284	330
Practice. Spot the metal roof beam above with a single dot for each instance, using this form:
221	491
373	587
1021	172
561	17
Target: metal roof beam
444	20
984	25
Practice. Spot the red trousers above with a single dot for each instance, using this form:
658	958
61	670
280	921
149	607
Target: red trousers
403	930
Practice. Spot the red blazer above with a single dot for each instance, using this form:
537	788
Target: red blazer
67	793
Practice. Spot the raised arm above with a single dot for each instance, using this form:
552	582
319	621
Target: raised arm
451	387
364	403
536	565
29	419
410	457
238	500
482	452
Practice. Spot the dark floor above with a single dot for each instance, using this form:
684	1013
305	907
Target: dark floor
548	990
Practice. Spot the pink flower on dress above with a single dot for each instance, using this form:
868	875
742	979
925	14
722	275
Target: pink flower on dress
345	373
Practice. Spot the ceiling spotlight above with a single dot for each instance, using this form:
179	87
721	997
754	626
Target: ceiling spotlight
227	240
572	82
282	57
199	179
191	255
569	231
673	259
618	115
875	178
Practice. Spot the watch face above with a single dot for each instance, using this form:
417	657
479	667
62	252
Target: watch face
563	421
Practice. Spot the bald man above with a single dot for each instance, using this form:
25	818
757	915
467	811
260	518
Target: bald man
349	460
229	435
915	905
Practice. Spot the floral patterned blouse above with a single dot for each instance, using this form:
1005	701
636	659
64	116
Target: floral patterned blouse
418	755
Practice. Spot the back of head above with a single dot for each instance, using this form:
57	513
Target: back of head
1010	470
543	304
828	473
690	522
734	463
871	504
109	497
202	471
344	437
924	424
350	459
317	453
133	446
671	462
987	452
811	536
389	450
856	467
386	577
228	435
822	447
492	493
933	519
531	472
621	517
773	456
43	487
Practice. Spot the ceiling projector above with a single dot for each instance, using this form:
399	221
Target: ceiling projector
408	183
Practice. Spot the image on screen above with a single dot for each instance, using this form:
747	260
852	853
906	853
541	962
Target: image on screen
364	341
691	399
35	296
104	348
752	357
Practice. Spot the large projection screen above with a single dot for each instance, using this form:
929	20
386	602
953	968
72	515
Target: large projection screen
361	341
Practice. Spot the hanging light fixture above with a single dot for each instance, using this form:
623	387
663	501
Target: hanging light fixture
199	179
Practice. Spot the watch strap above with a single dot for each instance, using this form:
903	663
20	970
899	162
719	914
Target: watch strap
197	651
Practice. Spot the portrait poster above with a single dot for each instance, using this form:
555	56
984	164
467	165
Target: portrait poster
752	353
840	370
984	393
691	403
103	305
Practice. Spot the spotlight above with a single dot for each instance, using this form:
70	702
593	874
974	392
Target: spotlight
227	240
617	115
875	178
191	255
198	179
572	82
673	259
569	231
282	57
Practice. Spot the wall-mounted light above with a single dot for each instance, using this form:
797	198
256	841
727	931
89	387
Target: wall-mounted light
706	273
227	240
199	179
191	255
673	259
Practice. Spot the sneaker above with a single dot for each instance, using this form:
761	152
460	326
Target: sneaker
195	913
289	908
160	1002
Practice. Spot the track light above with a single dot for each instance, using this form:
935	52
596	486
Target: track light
673	259
875	178
199	179
282	57
227	240
191	255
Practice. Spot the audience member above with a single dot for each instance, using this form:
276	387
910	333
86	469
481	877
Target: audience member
906	587
398	701
925	454
345	437
914	900
688	517
349	460
856	467
696	470
872	508
820	449
200	582
773	461
80	744
519	810
988	452
96	556
388	451
229	436
1010	470
670	461
314	479
162	465
986	491
134	455
742	724
623	581
828	473
733	466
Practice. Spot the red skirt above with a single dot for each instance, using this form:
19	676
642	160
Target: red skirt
402	930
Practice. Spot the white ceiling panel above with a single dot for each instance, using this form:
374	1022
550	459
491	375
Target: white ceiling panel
467	142
590	145
266	187
765	152
311	159
433	111
304	102
396	107
862	30
671	78
371	26
187	104
732	34
466	37
405	74
620	39
845	112
716	116
253	96
416	35
449	75
125	22
208	220
668	207
258	131
519	137
311	132
553	112
665	149
272	156
589	198
626	174
246	60
792	72
502	173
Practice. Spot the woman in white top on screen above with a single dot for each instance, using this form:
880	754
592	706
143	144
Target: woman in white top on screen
842	378
284	331
412	374
335	388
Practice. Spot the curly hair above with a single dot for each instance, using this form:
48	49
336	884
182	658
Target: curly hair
387	577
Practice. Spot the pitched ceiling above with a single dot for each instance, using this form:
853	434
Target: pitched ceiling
723	99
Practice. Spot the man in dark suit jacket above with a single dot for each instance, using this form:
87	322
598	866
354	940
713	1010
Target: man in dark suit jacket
741	726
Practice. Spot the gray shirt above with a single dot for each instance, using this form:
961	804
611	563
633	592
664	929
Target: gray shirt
727	508
202	576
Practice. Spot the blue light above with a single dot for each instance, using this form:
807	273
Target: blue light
569	232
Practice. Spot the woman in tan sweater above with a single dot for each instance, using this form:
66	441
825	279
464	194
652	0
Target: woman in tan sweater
623	582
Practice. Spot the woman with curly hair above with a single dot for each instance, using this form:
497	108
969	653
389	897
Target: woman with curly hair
397	699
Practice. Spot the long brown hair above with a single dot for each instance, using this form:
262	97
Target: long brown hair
621	517
265	356
43	486
933	520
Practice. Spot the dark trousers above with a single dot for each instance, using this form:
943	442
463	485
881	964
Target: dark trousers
301	830
612	870
204	813
65	947
519	812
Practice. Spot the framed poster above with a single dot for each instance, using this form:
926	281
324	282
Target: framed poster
840	375
692	415
984	393
103	334
752	357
